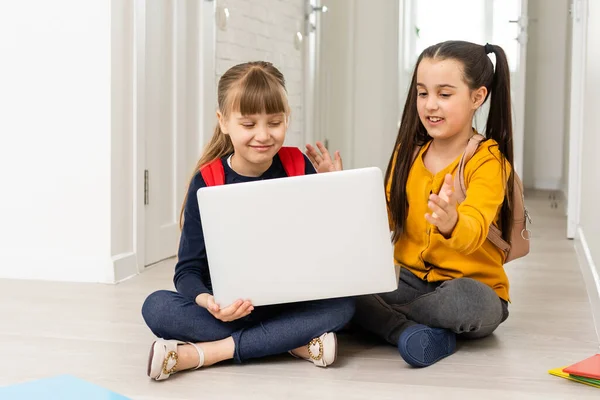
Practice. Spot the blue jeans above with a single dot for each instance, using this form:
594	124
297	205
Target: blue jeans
268	330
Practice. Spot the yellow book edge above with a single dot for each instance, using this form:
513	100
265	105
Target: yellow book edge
559	372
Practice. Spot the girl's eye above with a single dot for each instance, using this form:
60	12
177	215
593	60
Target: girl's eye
275	124
445	95
421	94
248	125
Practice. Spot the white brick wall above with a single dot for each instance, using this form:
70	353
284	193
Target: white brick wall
265	30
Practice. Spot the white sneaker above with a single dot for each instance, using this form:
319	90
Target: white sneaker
162	361
322	351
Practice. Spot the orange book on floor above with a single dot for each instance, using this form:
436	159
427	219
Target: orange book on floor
588	368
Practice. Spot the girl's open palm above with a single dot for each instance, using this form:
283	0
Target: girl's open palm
237	310
444	214
322	160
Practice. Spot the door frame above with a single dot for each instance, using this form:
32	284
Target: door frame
139	129
579	14
205	92
521	85
311	71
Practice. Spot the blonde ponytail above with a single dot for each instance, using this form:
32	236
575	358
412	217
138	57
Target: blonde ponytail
219	146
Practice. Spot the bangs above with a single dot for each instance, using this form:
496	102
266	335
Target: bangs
258	93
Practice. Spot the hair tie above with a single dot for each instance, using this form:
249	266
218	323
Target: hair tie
488	48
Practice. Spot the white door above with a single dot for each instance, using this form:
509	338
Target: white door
578	62
356	101
161	133
499	22
333	100
514	41
178	71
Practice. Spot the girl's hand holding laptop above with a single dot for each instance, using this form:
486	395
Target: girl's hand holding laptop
239	309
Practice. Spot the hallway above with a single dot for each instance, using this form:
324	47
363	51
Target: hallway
96	333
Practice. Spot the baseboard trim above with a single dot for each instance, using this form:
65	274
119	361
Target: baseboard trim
590	275
124	266
547	184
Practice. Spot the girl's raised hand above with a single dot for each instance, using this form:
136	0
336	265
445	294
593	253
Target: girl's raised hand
322	160
444	214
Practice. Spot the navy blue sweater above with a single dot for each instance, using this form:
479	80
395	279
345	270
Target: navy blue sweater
192	275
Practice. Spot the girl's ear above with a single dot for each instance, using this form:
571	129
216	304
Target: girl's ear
222	122
478	97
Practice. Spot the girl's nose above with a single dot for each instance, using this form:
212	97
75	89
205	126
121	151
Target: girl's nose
262	135
431	103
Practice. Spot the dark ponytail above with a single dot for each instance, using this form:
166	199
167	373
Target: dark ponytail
499	128
411	134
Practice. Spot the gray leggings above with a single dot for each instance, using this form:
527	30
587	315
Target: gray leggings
463	305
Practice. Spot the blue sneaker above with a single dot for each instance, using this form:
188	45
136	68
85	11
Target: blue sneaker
421	346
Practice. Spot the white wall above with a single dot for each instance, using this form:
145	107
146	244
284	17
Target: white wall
590	161
55	140
545	134
265	30
72	89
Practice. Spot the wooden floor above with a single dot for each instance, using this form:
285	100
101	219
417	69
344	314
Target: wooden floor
96	332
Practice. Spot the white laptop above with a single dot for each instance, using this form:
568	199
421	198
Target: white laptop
300	238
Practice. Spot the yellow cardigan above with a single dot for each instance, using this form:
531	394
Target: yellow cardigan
466	253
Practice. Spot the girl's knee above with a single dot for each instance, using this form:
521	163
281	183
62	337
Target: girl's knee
471	305
155	308
471	289
342	310
349	307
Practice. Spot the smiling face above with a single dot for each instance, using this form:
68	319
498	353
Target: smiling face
254	114
445	102
256	139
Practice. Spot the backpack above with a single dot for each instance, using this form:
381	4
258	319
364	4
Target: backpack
291	158
519	246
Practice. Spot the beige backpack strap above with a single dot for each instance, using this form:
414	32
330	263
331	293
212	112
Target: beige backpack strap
460	187
495	236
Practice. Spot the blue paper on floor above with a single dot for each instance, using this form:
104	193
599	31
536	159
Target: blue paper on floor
63	387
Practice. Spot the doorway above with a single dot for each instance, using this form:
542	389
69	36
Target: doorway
175	84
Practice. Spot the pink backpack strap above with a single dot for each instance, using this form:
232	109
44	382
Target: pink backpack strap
213	173
292	160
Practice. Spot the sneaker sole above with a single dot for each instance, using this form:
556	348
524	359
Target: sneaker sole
336	348
433	344
150	357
